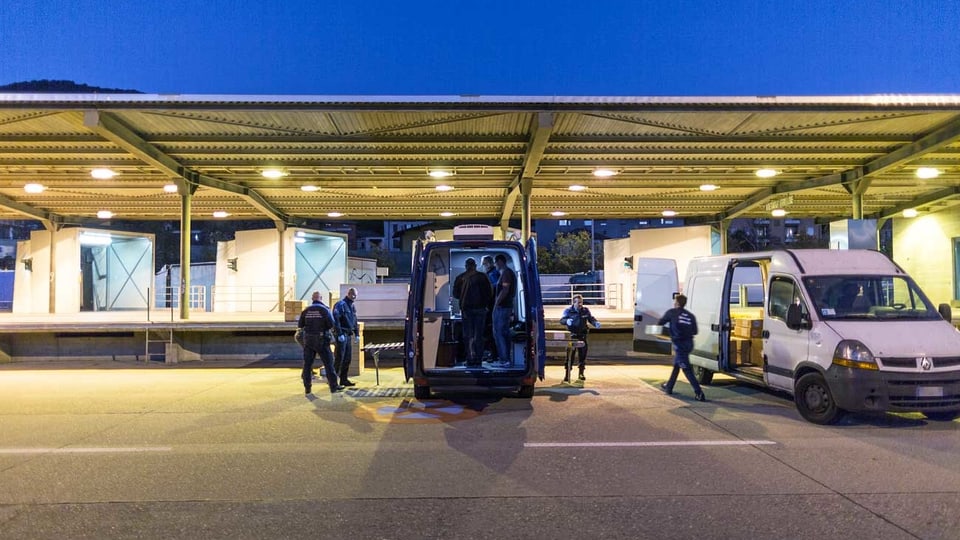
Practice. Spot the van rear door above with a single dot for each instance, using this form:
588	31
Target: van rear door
535	308
413	335
657	282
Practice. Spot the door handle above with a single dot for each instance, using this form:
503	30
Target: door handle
765	334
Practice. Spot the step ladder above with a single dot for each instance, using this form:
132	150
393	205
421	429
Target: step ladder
156	337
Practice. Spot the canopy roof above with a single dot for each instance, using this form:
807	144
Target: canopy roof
370	156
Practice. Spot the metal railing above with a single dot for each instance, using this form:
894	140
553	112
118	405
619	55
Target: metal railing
593	294
256	298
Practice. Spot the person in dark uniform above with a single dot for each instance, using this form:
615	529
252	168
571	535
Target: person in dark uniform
506	290
319	327
683	326
345	314
473	290
575	318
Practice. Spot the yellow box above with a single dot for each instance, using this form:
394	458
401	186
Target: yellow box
739	351
747	328
292	309
756	352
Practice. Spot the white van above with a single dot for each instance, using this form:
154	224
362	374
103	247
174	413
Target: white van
841	330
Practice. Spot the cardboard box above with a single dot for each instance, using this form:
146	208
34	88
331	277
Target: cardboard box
756	352
747	328
739	351
292	309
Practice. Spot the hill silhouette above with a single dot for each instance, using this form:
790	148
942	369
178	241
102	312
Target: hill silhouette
45	86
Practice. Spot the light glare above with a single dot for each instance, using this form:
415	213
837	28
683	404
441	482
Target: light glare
927	172
34	188
910	213
766	173
102	174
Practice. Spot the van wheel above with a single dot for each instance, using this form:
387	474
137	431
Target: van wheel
942	416
814	400
526	391
703	375
421	391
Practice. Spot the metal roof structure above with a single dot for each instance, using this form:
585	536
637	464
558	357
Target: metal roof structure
369	157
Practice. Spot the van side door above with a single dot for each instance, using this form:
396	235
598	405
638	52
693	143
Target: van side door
412	331
784	347
535	309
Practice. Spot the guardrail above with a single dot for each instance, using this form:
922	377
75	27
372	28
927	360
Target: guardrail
593	294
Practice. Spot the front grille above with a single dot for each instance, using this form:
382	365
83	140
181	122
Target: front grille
912	362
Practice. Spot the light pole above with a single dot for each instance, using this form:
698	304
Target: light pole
593	257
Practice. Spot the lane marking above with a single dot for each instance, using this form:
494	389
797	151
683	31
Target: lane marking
92	450
642	444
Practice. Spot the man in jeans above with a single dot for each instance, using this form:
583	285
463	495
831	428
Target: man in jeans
503	307
473	290
683	326
345	314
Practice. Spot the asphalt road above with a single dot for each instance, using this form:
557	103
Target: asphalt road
127	451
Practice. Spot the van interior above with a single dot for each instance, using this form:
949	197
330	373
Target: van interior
444	346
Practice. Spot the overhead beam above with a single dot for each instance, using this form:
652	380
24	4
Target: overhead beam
112	129
49	220
943	136
923	200
541	127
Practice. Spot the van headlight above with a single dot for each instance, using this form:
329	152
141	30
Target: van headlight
853	354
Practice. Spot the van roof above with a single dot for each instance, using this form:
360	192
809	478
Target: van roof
824	261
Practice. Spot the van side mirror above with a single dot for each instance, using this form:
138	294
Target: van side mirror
795	319
945	312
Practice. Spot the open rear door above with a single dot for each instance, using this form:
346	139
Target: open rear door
412	334
657	282
536	307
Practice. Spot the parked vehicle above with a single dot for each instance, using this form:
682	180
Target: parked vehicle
434	352
841	330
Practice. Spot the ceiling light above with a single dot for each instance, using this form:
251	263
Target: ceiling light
766	173
558	213
34	188
778	212
272	173
927	172
604	173
444	187
440	173
447	214
220	214
94	239
102	174
709	187
668	213
577	187
300	240
910	212
104	214
309	188
170	188
334	214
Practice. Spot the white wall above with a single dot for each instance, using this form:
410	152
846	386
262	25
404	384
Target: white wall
923	246
23	279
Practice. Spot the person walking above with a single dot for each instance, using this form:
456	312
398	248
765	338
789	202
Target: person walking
473	290
575	318
318	327
503	307
683	326
345	314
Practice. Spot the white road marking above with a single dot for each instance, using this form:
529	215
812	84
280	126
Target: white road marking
641	444
92	450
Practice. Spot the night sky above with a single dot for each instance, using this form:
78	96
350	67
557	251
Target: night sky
502	47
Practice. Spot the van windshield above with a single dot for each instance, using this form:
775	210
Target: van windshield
868	297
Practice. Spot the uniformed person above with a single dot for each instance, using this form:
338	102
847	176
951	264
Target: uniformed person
319	327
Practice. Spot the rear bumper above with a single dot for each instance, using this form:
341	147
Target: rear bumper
861	390
476	378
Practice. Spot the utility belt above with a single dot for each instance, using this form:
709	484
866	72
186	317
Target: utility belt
326	335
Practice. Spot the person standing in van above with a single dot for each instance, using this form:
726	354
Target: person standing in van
503	307
575	318
683	326
473	290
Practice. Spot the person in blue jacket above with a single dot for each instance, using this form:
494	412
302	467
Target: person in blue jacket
683	326
318	327
575	319
345	314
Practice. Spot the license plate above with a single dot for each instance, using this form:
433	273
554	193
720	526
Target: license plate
929	391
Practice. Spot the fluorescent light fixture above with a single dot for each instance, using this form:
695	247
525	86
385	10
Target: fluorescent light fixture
94	239
709	187
604	173
577	187
766	173
170	188
334	214
927	173
440	173
34	188
444	187
778	212
668	213
272	173
447	214
220	214
309	188
102	174
910	213
104	214
558	213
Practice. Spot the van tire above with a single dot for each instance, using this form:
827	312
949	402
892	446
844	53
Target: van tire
526	391
421	391
815	401
942	416
703	375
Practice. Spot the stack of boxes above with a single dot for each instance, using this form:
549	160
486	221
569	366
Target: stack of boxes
746	345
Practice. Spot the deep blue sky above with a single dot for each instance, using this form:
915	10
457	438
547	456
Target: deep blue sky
501	47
